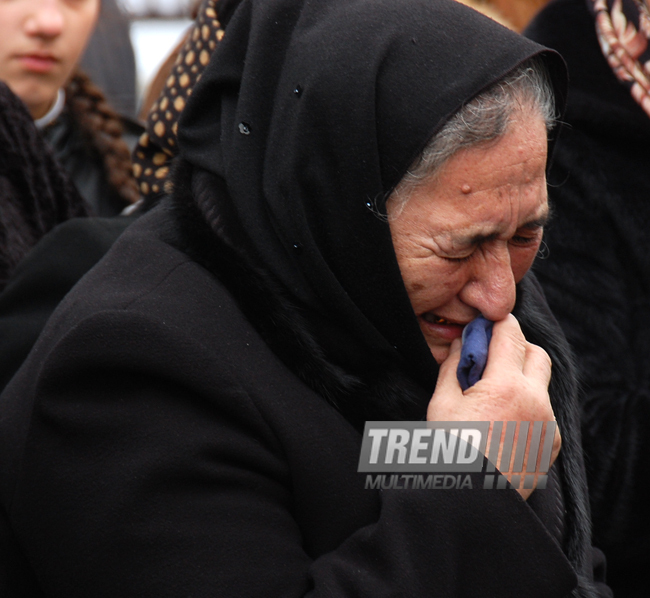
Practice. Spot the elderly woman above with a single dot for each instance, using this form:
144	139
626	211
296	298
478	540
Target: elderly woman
358	181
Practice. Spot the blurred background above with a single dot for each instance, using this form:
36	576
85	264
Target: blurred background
144	9
156	27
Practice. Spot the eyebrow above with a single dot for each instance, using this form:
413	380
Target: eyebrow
540	222
536	223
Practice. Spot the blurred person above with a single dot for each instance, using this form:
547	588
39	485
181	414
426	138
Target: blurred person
190	420
35	195
49	265
596	273
47	241
40	272
41	42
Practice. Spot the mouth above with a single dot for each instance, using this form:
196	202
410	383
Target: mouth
38	62
438	329
432	318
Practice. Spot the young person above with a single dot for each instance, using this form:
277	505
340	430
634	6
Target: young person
41	42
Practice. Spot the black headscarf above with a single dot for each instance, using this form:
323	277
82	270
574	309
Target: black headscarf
309	114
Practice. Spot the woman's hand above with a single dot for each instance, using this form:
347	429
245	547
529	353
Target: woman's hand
514	387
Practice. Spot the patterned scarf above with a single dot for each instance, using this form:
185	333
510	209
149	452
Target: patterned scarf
157	145
623	29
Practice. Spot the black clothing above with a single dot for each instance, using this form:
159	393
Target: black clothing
225	10
170	452
44	277
35	195
597	281
189	421
84	165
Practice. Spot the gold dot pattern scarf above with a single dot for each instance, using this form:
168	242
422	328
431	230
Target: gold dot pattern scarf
623	30
158	144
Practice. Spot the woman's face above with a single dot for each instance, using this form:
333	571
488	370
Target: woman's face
40	44
467	236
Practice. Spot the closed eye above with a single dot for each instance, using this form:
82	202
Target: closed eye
458	260
524	240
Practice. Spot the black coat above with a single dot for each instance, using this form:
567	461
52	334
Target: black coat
153	445
597	281
42	279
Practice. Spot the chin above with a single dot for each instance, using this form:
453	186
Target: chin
37	98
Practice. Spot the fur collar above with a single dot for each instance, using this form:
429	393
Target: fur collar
541	328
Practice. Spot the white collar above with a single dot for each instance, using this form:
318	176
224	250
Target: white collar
53	112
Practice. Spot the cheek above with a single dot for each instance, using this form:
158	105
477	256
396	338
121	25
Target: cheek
521	260
81	26
431	283
10	32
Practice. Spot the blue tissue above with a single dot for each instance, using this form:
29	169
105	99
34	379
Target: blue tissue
474	353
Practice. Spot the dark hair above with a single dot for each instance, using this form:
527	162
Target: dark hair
103	129
35	193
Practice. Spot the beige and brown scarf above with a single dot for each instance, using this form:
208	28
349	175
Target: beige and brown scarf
158	145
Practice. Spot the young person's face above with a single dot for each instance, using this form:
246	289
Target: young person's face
41	41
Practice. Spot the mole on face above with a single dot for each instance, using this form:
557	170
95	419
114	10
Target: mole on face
466	189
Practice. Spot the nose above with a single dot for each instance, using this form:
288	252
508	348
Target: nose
45	20
491	286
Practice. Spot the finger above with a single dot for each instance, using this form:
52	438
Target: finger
556	447
507	348
557	442
538	365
